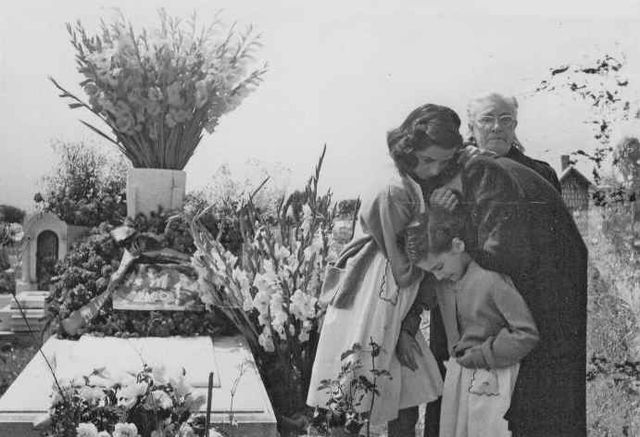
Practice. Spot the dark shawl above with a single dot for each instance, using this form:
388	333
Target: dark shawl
525	231
540	167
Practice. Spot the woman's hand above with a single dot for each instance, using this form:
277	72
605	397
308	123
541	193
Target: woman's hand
443	198
468	153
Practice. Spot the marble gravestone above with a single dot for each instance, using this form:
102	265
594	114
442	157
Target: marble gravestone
148	285
229	358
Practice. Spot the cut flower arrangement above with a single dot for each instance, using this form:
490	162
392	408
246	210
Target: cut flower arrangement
271	291
158	90
147	404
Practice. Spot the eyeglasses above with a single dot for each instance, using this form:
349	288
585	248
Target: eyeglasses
490	121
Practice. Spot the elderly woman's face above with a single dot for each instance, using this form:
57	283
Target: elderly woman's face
494	127
432	161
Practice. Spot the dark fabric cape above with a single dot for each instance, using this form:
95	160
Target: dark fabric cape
540	167
523	229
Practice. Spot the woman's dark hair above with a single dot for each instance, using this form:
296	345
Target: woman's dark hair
426	126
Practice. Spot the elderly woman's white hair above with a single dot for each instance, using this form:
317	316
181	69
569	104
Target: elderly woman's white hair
482	100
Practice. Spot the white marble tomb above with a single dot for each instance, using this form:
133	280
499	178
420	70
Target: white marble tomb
28	399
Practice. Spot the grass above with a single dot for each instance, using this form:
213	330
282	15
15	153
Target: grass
613	390
15	353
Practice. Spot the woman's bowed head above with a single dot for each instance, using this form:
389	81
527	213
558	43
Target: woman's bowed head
426	142
427	145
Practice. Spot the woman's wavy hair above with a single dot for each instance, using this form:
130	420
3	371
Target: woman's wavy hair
425	126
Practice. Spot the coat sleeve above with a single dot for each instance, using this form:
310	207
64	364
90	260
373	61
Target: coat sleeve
519	337
385	218
499	215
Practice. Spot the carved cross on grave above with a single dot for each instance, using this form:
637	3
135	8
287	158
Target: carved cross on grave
149	277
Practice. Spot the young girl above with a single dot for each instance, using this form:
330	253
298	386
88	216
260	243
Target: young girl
369	291
488	325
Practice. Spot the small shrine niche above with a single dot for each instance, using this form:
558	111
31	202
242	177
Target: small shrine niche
48	239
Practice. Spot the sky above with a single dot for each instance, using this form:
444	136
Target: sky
341	73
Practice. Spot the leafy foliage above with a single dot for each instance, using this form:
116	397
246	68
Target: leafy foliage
11	236
14	356
349	208
603	87
7	281
11	214
352	388
613	378
87	268
85	188
626	159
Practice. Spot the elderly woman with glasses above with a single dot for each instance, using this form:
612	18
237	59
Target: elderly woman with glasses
492	125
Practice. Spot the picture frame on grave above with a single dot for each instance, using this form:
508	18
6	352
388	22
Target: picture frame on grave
158	287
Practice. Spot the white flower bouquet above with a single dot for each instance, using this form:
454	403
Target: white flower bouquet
147	404
271	291
158	90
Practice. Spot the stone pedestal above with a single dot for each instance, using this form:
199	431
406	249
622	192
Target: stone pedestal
28	397
33	305
148	188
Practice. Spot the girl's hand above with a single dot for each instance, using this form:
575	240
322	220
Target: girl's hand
473	359
443	198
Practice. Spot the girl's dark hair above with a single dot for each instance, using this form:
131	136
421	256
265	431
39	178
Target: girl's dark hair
435	231
426	126
443	226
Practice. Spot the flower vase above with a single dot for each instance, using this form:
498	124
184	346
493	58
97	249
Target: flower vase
150	188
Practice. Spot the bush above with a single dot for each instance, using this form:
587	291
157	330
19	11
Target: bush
613	377
348	208
11	214
86	188
612	406
7	282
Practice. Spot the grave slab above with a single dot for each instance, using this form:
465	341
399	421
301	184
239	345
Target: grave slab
228	357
